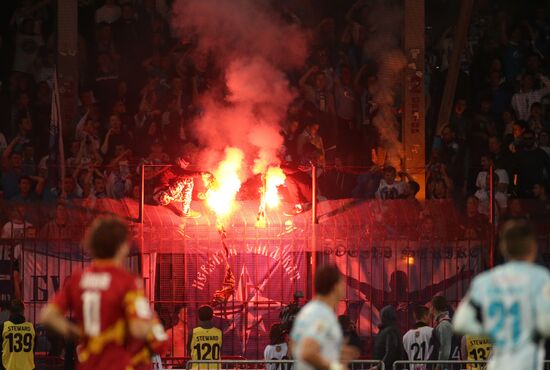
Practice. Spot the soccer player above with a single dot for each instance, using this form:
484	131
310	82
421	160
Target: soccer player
277	349
418	341
510	303
317	341
17	340
206	339
105	301
144	352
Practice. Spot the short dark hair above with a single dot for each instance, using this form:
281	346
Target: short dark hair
326	278
415	187
420	312
17	307
388	169
205	313
276	334
106	236
517	238
24	177
439	303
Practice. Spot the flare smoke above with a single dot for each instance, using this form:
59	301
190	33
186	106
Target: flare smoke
383	46
250	46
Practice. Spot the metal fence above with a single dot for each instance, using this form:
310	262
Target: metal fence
389	252
446	365
443	365
270	365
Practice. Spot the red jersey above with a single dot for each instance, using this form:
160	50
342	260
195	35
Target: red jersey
142	351
102	300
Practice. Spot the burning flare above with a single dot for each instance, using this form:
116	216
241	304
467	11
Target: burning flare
274	178
220	198
269	193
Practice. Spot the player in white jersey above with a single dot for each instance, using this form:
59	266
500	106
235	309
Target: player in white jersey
418	341
510	303
277	349
317	341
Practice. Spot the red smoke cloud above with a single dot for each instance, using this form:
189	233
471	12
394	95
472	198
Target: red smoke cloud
252	46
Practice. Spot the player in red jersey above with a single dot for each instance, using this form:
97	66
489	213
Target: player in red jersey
105	301
142	351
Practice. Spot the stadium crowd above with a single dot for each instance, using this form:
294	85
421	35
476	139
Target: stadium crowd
139	86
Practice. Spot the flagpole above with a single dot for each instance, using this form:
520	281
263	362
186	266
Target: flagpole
314	222
57	107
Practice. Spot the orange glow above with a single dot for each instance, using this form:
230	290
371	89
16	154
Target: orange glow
410	260
274	178
220	198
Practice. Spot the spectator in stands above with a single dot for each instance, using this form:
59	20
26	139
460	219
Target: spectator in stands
388	346
23	135
71	189
439	184
483	195
522	100
311	136
11	172
98	190
26	193
536	122
481	179
500	96
109	13
531	165
514	140
459	122
515	210
389	188
28	41
474	226
60	226
17	228
452	155
507	118
115	136
499	155
317	91
290	135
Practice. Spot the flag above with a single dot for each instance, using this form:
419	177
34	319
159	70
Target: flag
56	152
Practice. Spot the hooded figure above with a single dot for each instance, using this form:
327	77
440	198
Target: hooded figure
388	346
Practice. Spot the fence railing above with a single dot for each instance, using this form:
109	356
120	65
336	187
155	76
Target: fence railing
443	365
449	365
270	364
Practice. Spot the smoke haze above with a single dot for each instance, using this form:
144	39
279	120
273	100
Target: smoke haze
251	47
383	46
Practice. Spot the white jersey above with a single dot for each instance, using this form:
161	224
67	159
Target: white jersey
508	299
390	191
418	345
276	352
317	321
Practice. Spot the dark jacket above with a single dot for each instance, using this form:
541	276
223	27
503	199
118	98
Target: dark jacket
388	346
